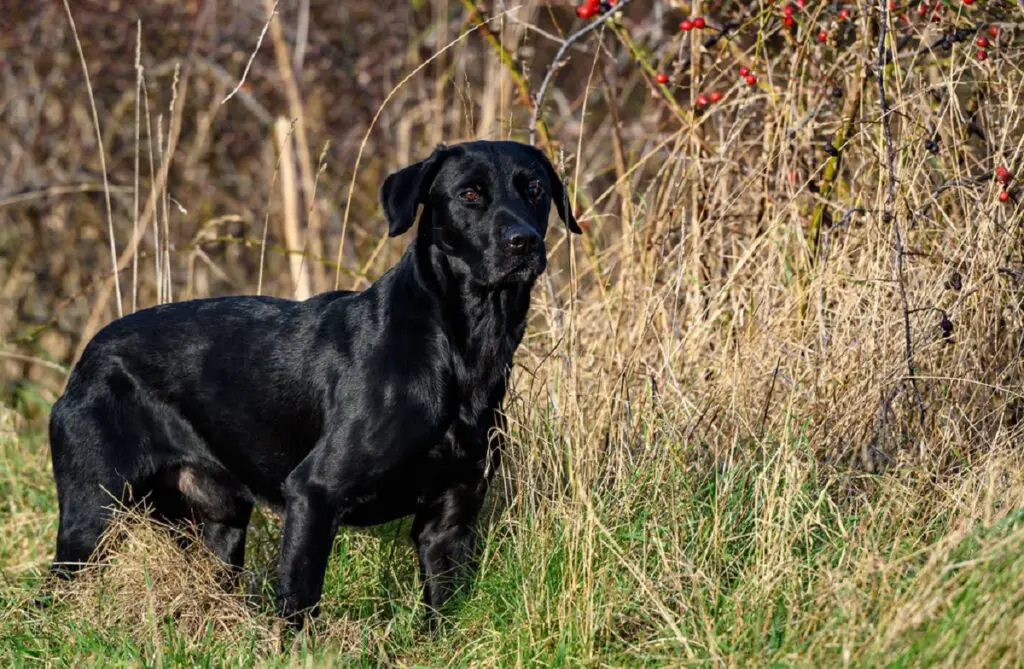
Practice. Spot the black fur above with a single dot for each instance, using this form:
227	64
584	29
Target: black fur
345	409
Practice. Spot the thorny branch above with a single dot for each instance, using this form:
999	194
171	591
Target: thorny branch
560	59
890	200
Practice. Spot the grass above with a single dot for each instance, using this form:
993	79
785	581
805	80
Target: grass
769	562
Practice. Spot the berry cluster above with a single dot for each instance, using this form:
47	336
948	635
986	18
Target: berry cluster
712	97
592	8
1004	176
788	19
936	9
838	25
984	42
691	24
702	100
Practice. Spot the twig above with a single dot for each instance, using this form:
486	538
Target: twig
559	60
252	56
135	215
248	101
535	29
53	191
1015	273
890	201
32	360
103	158
768	398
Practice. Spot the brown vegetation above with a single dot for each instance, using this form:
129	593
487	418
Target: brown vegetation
799	274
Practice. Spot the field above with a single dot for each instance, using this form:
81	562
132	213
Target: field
770	407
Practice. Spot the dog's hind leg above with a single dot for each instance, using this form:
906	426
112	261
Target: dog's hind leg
223	506
86	490
84	516
106	446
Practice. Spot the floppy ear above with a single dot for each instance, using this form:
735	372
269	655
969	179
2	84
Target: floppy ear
558	194
407	188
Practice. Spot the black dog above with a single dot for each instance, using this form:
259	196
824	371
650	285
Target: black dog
347	408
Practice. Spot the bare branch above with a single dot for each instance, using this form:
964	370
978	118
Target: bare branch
560	59
252	57
890	201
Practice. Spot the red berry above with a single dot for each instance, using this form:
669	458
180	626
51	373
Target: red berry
584	11
968	2
702	100
699	22
982	54
751	79
788	10
892	5
994	31
801	3
788	21
686	24
983	42
1003	175
844	14
822	36
922	9
661	78
715	96
744	71
594	5
1004	195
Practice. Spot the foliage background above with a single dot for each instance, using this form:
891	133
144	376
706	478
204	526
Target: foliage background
769	407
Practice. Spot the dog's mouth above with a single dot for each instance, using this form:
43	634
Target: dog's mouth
525	269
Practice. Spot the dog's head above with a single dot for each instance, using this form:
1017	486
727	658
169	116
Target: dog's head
486	207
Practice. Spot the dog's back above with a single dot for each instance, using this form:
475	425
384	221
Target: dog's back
213	379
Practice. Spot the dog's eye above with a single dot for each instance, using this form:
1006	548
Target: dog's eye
534	189
470	195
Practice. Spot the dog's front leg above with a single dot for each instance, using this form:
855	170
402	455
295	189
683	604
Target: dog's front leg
310	523
445	533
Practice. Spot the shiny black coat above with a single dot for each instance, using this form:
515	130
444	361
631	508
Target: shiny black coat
347	408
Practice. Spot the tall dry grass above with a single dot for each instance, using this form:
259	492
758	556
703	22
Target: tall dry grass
770	404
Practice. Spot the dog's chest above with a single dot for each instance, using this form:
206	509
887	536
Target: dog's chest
474	387
436	434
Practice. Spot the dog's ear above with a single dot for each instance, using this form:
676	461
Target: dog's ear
559	194
407	188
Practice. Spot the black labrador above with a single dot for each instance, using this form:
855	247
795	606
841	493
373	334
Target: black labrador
349	408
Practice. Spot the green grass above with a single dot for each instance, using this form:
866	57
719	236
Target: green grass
769	562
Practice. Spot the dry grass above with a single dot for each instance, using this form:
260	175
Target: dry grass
157	576
768	409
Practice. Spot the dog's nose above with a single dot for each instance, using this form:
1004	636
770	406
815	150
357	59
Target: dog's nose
520	237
